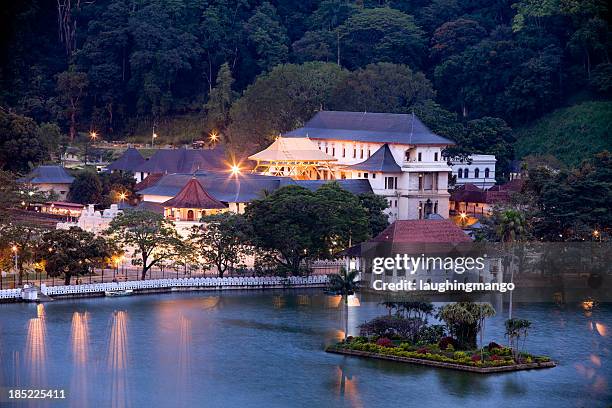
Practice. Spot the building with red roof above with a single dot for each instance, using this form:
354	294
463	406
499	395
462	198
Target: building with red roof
192	203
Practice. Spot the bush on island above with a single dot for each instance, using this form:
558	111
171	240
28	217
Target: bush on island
447	341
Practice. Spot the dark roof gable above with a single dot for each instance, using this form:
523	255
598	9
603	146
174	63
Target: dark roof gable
399	128
184	160
381	161
129	160
48	175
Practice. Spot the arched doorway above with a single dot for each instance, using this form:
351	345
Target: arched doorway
190	215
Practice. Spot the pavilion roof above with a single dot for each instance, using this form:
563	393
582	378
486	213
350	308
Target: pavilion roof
193	195
381	161
293	149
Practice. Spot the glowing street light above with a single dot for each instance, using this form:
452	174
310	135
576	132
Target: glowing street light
235	169
597	234
93	135
15	249
122	196
214	136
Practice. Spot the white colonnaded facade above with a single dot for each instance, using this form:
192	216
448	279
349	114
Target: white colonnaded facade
477	169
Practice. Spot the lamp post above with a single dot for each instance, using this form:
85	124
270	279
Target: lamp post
153	136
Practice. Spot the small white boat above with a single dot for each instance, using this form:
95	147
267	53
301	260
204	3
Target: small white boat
118	292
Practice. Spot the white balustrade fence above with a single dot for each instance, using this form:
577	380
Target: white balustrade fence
245	282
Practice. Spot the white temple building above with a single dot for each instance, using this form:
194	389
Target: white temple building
398	155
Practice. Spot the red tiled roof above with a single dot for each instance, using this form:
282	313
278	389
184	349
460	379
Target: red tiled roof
193	195
422	231
469	193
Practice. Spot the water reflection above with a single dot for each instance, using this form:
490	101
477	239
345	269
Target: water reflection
346	387
601	329
36	349
118	361
333	301
278	302
183	377
80	351
303	300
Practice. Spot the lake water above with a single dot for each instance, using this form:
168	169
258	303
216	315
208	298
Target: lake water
265	349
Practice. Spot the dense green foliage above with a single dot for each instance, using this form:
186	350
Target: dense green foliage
221	241
122	66
296	225
570	134
557	205
72	252
153	238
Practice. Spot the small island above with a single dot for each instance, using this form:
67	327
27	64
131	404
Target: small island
405	335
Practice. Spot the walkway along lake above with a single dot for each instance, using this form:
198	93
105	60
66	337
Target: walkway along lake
266	348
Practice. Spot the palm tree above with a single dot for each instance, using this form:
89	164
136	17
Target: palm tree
511	227
345	283
484	311
515	329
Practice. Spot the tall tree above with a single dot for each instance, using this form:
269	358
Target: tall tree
71	87
221	241
86	188
268	36
21	238
151	235
73	252
220	99
281	100
381	34
381	87
24	144
375	206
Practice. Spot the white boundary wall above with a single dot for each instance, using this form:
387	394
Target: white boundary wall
213	283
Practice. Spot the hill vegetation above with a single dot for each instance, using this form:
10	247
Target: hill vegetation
250	69
571	134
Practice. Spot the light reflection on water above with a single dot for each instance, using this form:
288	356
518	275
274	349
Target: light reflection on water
265	349
117	361
36	349
80	357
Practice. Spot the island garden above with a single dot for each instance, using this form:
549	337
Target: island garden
405	335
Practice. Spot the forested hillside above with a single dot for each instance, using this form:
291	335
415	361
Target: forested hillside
570	134
249	69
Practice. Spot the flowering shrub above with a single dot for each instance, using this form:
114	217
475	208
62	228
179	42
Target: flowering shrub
430	353
493	345
384	342
447	341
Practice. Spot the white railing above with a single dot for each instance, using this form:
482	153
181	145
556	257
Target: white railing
251	281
